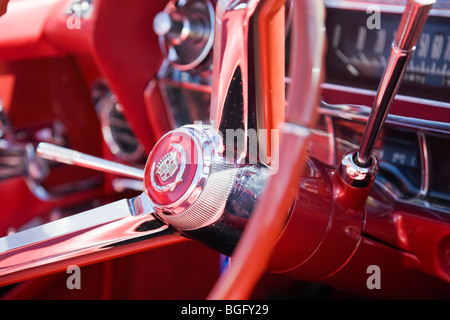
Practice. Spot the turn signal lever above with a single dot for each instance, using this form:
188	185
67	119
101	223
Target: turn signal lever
354	167
409	30
60	154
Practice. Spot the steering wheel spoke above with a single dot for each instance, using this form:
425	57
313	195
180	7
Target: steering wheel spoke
248	76
105	232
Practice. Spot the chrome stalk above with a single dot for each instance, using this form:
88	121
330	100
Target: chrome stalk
409	30
231	77
72	157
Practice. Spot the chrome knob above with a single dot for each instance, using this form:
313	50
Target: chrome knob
186	32
175	27
162	23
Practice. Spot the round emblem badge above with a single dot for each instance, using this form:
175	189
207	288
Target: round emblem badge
171	168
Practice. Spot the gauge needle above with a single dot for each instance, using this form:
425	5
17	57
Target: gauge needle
350	68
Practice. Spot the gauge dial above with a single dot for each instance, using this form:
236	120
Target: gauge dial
358	51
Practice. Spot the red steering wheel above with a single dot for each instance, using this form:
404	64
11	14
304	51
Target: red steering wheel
186	184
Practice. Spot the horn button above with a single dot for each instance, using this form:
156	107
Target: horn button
186	179
178	167
172	169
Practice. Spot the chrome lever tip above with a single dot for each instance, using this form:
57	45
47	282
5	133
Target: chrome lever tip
55	153
412	22
64	155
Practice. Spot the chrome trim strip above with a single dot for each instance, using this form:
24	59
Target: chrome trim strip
431	209
332	155
371	93
121	184
361	113
425	164
295	129
439	10
83	221
108	240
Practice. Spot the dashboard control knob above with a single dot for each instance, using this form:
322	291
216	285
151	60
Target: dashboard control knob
175	27
162	23
186	31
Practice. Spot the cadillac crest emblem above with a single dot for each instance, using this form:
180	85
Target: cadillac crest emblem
167	167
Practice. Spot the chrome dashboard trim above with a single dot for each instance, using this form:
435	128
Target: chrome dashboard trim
437	211
332	157
425	165
361	113
107	103
422	127
393	6
399	97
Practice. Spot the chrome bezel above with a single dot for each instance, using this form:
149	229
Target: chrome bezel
105	102
442	10
356	175
168	49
